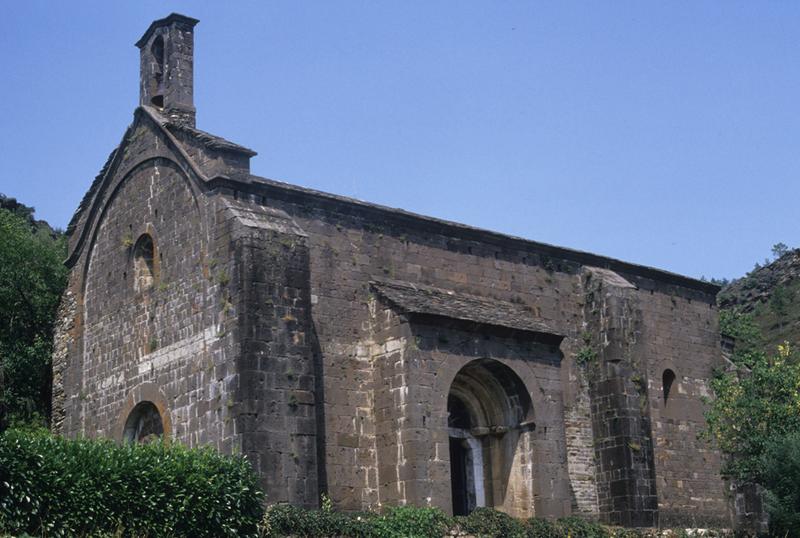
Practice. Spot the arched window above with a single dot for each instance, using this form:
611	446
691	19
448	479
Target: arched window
487	407
667	378
143	424
143	263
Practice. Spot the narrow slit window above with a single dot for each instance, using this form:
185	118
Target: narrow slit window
667	379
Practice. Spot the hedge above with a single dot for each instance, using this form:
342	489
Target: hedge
50	486
282	521
410	522
57	487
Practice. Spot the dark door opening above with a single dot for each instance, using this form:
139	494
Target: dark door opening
458	476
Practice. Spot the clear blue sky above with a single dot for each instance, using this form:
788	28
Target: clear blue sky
661	133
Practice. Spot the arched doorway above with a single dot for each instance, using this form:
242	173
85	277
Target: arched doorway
143	424
488	410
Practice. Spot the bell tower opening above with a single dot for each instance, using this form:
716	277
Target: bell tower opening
167	68
157	81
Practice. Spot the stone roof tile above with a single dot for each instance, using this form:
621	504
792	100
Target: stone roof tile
419	299
209	140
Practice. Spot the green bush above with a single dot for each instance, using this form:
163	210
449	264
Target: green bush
620	532
409	521
542	528
489	523
576	527
58	487
781	478
399	522
287	520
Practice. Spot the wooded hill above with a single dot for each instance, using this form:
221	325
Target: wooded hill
771	295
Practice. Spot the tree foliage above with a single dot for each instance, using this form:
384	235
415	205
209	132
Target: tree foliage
779	249
752	408
781	478
745	332
32	278
780	299
755	415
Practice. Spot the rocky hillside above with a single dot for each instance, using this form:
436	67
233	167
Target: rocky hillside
772	295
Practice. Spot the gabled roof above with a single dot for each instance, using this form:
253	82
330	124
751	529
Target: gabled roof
201	137
89	205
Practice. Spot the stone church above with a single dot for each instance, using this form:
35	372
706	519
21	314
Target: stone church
380	356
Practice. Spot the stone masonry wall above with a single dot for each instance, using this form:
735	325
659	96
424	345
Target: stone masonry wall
165	344
414	366
64	338
623	444
167	335
347	252
538	480
687	468
273	377
262	334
